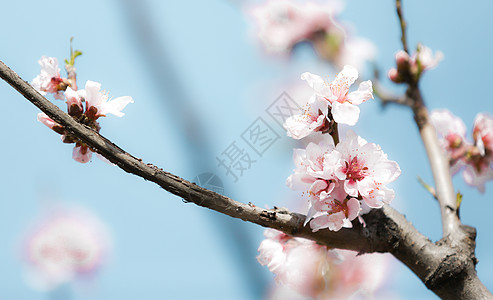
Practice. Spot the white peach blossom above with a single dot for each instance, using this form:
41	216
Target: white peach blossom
99	100
425	59
312	119
310	174
48	79
343	105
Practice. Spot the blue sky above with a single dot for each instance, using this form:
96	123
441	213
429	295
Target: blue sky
201	65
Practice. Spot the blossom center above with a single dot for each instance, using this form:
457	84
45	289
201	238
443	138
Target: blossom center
355	170
340	91
454	140
336	206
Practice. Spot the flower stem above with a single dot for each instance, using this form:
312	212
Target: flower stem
334	132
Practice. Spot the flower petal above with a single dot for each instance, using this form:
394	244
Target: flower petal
115	106
364	92
72	97
92	95
81	154
353	208
316	83
345	113
346	77
43	118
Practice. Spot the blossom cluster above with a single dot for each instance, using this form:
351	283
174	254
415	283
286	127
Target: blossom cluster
283	24
345	180
314	271
475	158
96	103
414	65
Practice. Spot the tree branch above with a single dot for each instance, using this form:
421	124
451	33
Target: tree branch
445	270
439	164
290	223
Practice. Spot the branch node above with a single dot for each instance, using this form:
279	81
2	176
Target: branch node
268	215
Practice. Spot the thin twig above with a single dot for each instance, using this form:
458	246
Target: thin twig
428	187
403	25
385	96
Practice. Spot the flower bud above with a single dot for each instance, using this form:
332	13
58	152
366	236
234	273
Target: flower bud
394	75
402	60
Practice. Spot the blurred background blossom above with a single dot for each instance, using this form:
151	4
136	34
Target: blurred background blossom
281	25
64	245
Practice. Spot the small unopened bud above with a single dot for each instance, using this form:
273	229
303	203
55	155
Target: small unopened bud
74	103
402	60
43	118
394	75
92	113
75	110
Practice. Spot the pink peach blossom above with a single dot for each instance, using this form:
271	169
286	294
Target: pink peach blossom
364	170
452	135
476	160
81	153
43	118
311	175
335	211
